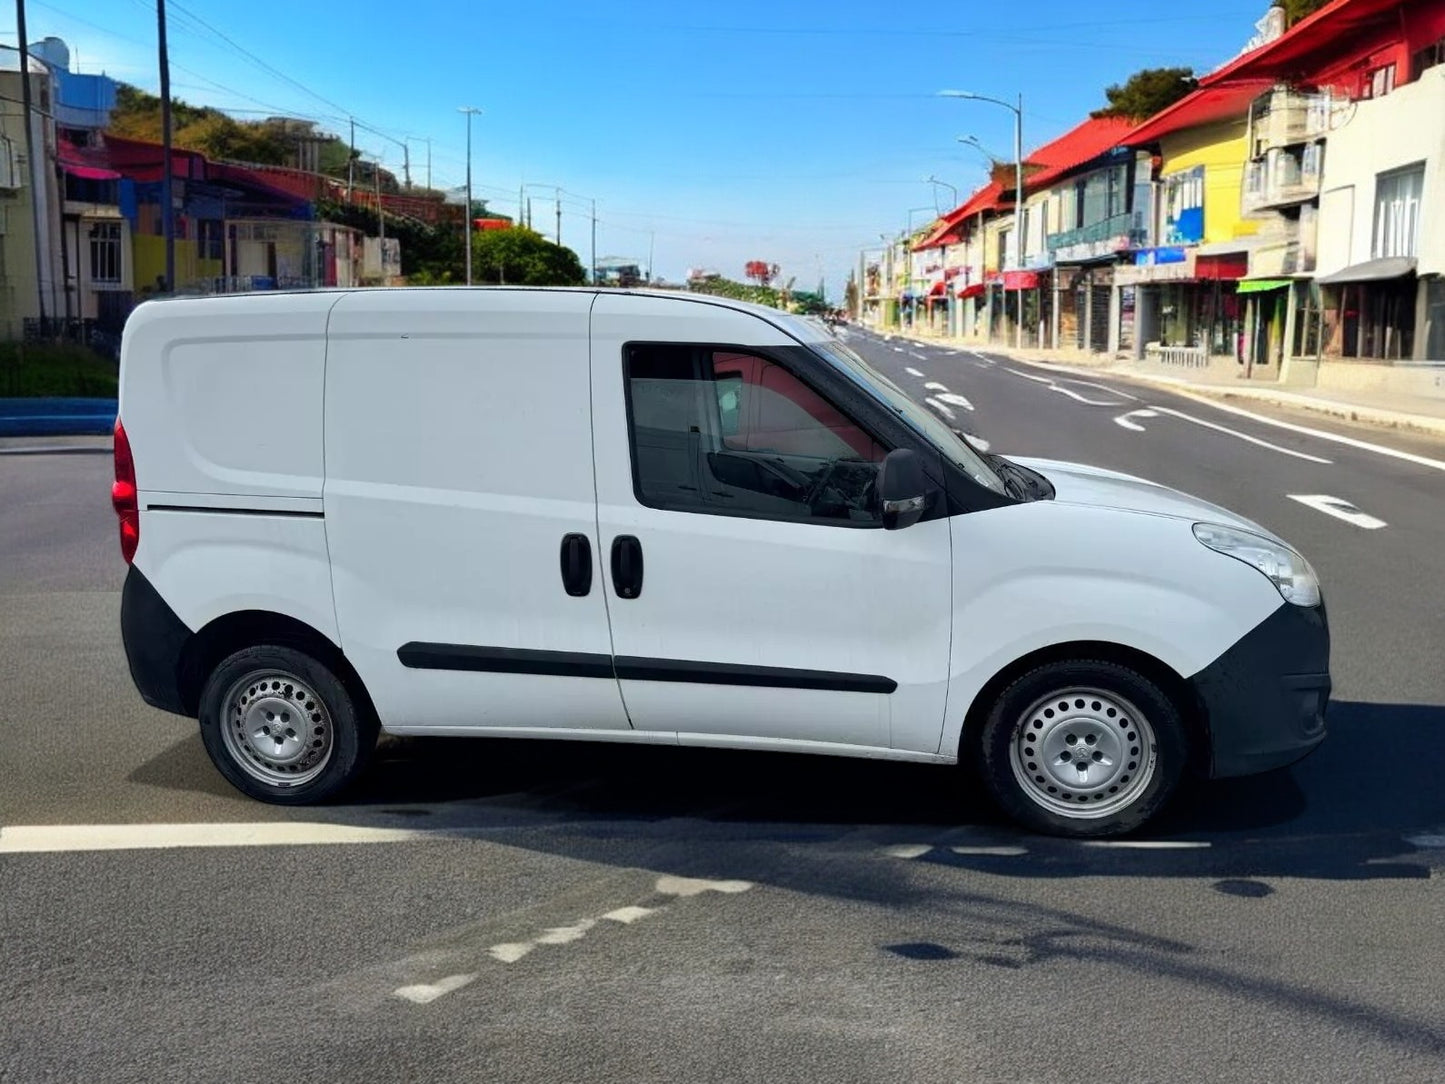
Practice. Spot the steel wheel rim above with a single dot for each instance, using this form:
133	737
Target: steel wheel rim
1083	753
276	728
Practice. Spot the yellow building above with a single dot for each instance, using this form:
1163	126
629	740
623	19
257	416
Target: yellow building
1187	283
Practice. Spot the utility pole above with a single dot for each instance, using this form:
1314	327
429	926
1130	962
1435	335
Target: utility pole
168	210
559	217
380	225
594	242
30	160
1019	212
428	163
529	212
406	163
469	110
351	162
651	242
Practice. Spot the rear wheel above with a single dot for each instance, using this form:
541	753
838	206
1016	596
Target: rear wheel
1086	748
282	728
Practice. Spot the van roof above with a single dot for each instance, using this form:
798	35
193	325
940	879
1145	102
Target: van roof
799	327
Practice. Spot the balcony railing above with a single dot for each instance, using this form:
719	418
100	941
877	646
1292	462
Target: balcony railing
1285	117
1280	179
1128	225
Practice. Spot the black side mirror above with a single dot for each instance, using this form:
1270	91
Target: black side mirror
903	489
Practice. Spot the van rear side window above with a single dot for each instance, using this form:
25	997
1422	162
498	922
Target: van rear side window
726	432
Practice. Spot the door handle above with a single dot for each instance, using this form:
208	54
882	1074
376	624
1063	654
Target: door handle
626	566
576	564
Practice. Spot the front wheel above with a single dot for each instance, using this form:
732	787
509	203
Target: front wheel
282	728
1084	749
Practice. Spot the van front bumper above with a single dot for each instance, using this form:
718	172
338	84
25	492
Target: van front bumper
154	639
1264	699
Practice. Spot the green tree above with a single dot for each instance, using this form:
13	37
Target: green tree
1295	10
1147	92
523	257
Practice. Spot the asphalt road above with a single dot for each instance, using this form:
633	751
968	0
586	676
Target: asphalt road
520	911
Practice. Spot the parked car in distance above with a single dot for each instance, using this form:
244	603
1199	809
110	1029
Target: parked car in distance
668	518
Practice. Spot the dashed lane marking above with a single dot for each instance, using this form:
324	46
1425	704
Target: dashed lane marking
952	398
425	993
1339	509
934	385
991	852
907	850
1149	844
911	371
942	408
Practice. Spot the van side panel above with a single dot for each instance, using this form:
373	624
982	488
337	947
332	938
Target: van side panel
221	400
223	395
458	457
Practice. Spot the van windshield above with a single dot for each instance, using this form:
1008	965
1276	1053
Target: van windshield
920	420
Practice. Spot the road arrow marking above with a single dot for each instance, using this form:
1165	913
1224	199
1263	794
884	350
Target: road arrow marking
952	398
1123	419
1340	509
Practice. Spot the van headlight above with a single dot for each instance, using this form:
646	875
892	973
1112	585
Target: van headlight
1286	569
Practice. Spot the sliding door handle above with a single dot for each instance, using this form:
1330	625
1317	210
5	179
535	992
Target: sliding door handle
576	564
626	566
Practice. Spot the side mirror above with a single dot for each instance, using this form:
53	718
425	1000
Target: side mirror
903	489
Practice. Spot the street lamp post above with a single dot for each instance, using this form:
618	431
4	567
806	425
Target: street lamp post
930	179
1018	112
469	110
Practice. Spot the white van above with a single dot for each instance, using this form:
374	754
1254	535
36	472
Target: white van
661	517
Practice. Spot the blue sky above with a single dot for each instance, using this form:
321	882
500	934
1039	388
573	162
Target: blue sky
794	132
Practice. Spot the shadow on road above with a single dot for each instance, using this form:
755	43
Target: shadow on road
1342	814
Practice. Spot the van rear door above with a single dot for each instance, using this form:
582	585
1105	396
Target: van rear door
461	510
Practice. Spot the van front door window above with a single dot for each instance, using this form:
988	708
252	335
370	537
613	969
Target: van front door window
723	432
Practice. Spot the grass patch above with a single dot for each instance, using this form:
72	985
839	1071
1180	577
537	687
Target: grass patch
55	369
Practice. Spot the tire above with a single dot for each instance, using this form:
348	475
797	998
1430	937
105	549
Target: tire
281	727
1122	727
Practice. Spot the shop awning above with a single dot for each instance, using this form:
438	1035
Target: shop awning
1260	286
938	289
1228	266
974	290
1020	280
1391	267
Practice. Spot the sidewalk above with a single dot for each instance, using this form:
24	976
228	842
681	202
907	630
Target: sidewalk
1421	413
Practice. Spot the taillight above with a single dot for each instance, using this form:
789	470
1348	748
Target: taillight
123	495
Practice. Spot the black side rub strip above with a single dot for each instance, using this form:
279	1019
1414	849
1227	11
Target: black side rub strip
511	660
295	513
768	677
504	660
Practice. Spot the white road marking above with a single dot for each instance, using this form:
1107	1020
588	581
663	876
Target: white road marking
512	952
1221	429
1000	852
424	993
565	935
1030	376
1427	841
1123	419
952	398
629	915
1339	508
978	442
981	357
911	371
1107	388
48	838
946	411
908	850
1182	388
685	887
1081	398
934	385
1148	844
899	349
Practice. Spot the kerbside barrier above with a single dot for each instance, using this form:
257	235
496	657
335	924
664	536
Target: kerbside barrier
56	417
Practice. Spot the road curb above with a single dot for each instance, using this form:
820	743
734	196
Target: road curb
57	417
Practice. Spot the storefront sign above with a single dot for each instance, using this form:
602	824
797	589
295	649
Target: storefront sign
1092	250
1173	268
